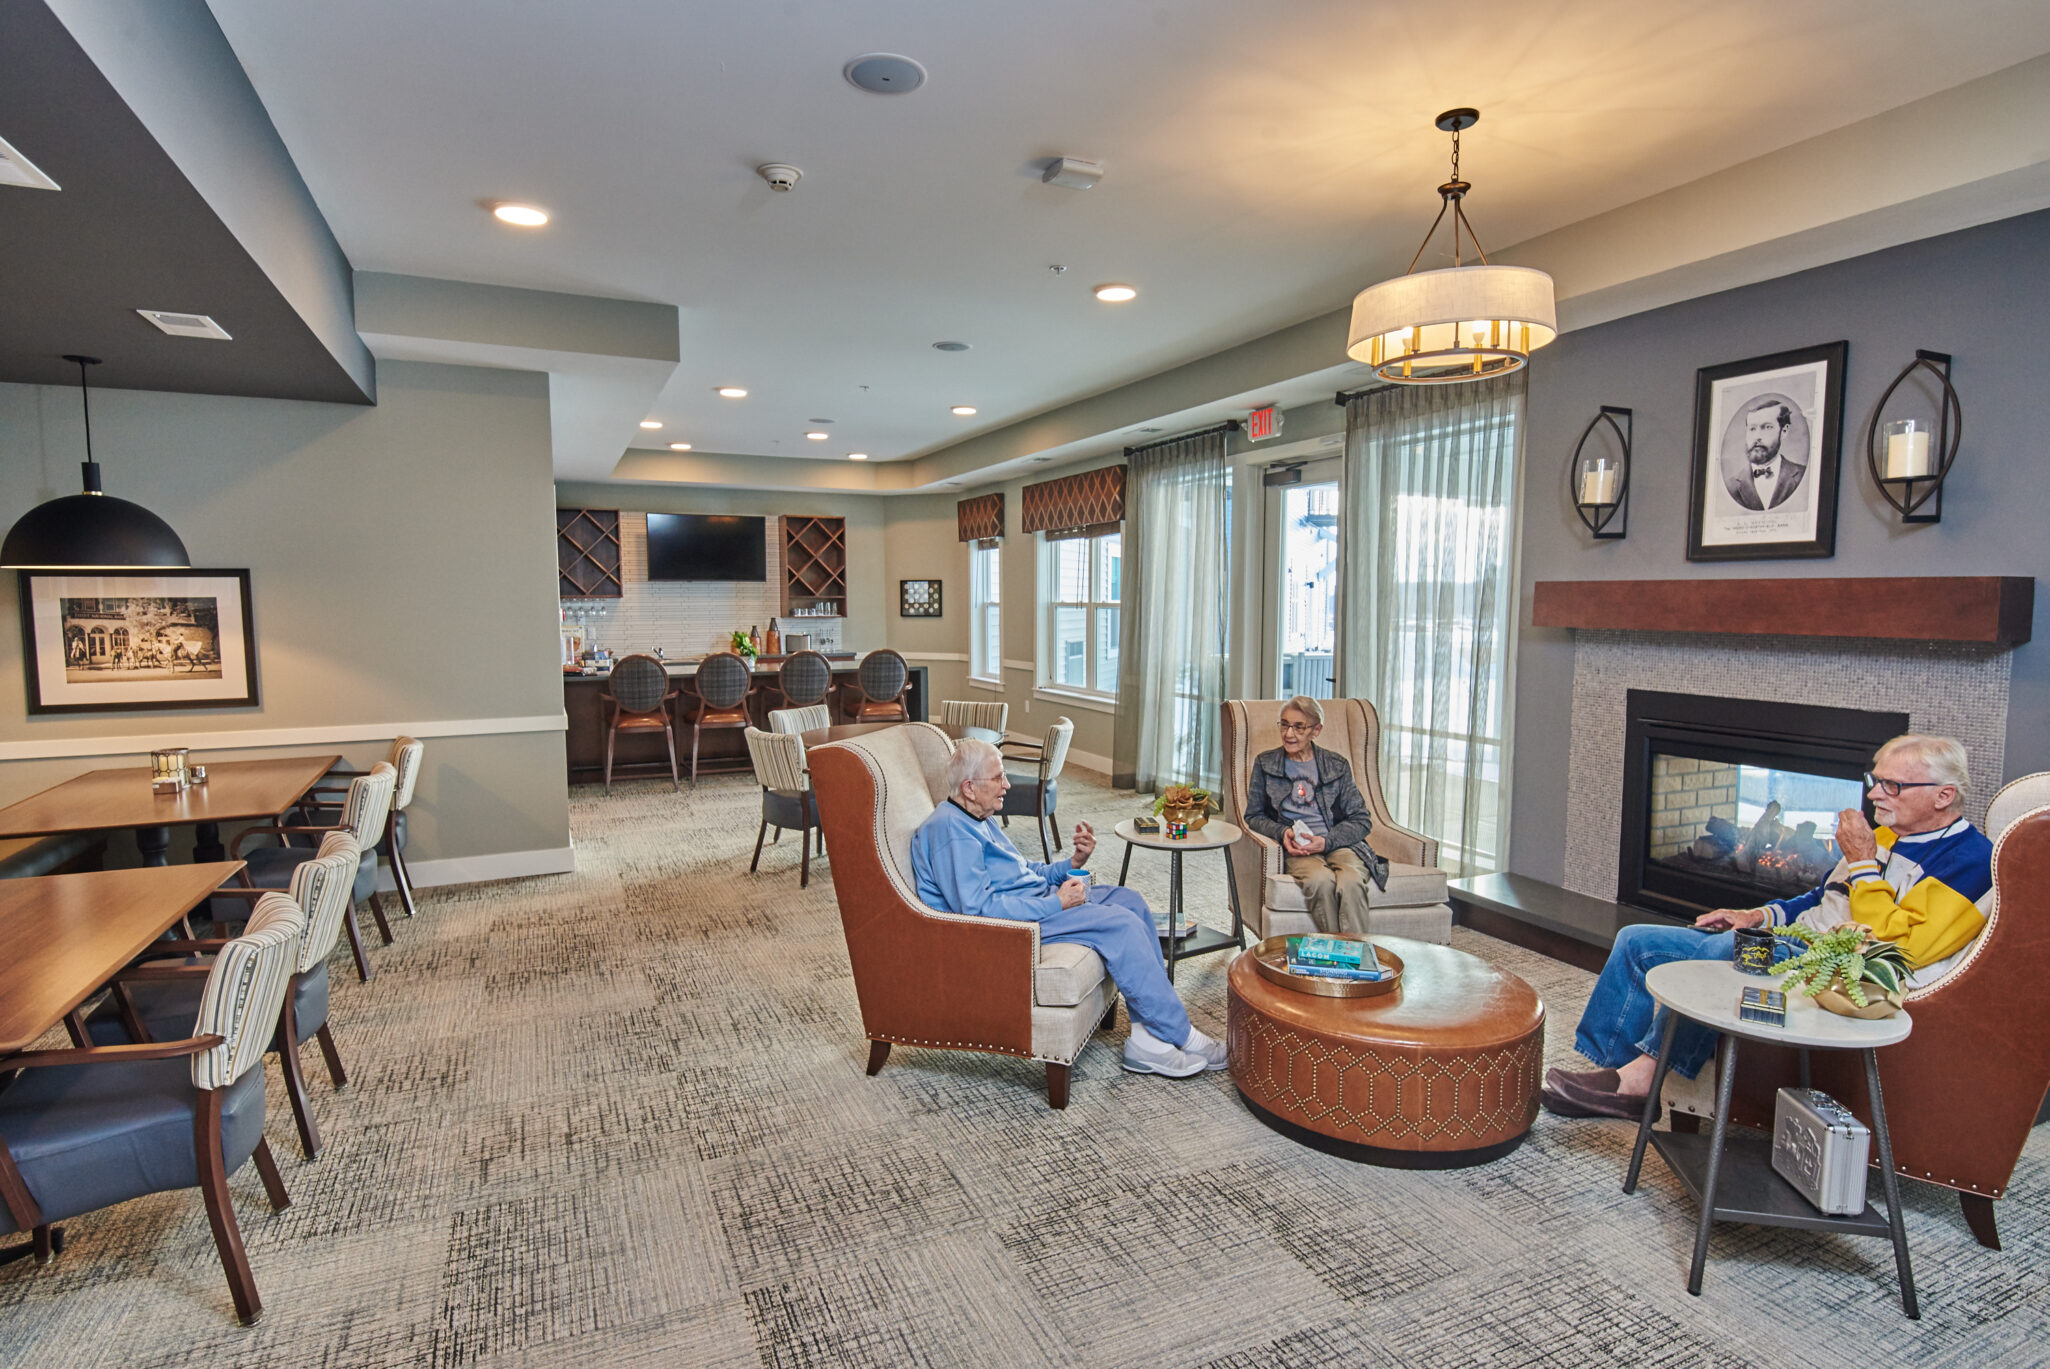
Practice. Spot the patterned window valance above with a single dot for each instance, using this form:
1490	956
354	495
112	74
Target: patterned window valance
982	517
1075	504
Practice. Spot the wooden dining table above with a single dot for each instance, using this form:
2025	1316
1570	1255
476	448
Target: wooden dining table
63	936
840	732
235	791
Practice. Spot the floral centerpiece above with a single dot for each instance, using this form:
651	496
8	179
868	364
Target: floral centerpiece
1183	803
743	646
1846	971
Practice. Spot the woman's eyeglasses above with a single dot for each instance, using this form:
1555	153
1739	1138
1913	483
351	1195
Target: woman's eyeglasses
1295	727
1892	788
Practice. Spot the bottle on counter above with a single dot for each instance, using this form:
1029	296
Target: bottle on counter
754	639
772	645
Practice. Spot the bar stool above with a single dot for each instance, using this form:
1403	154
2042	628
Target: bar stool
637	698
881	682
722	686
805	679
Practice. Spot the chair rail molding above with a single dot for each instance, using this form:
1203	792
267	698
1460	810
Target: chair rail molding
259	738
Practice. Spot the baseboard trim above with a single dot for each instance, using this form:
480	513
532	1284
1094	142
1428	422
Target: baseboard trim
1089	760
259	738
428	874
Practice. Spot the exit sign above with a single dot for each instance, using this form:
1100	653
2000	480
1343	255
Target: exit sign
1262	423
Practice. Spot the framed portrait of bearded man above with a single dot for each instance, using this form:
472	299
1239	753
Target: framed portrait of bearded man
1767	436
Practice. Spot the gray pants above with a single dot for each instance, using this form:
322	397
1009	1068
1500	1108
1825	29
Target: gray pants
1334	884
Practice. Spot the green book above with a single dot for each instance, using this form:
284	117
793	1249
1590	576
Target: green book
1328	950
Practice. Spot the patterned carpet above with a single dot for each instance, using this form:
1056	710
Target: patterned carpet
618	1119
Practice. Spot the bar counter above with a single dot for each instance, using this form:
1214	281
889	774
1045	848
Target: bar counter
640	754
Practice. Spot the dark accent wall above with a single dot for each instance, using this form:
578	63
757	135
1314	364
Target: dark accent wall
1982	295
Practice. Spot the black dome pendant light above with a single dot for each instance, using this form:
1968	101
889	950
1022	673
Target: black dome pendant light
91	531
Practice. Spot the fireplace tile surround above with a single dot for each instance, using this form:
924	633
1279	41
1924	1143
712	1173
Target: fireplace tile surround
1954	689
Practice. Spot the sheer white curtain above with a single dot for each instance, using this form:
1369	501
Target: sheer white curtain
1176	608
1428	590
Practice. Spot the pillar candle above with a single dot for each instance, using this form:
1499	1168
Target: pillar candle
1598	484
1907	454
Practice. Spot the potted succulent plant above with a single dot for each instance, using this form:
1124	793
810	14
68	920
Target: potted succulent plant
1183	803
1846	971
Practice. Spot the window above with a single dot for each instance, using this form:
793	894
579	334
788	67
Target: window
986	612
1079	585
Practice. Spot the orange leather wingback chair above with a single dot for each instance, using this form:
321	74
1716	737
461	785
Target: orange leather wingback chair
931	978
1964	1089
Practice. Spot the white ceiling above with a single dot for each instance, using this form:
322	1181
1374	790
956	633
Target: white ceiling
1264	163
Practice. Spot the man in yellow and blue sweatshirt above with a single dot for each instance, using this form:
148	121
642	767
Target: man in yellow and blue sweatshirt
1920	880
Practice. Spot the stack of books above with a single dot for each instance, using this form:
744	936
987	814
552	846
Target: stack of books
1331	957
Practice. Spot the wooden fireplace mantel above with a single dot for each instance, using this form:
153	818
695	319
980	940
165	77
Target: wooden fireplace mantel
1994	610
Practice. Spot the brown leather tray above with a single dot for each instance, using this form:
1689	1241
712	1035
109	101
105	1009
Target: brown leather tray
1270	958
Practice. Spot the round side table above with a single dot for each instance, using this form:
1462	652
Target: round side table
1736	1181
1214	835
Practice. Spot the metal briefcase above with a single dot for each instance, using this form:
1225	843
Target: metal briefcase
1820	1148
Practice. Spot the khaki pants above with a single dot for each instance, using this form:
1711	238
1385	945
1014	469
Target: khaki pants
1334	884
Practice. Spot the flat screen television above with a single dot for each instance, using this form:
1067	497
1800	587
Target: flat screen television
707	546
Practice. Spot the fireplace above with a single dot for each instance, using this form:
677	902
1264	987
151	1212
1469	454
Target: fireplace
1728	803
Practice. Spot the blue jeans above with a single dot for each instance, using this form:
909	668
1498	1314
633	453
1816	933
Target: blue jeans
1622	1020
1116	925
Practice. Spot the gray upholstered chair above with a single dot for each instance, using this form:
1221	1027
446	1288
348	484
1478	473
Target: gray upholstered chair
363	814
1034	769
786	793
405	757
163	1009
722	685
639	698
1412	905
924	976
810	718
992	717
806	678
92	1126
879	688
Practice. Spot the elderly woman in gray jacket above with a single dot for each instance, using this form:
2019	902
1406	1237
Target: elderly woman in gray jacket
1300	782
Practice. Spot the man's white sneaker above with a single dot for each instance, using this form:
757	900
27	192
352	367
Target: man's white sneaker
1210	1051
1146	1053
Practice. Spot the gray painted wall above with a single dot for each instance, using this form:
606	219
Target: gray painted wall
1981	294
402	563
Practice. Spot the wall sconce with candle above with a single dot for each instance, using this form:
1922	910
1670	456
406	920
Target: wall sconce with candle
1598	482
1910	457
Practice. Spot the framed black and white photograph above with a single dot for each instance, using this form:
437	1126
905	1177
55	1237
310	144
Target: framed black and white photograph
156	639
1767	436
918	598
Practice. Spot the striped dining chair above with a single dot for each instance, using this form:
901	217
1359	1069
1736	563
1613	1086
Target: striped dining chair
787	800
405	757
993	717
794	720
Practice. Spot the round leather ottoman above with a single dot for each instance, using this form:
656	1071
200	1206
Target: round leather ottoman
1442	1072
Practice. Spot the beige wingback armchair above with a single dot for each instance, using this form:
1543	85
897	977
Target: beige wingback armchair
927	977
1412	905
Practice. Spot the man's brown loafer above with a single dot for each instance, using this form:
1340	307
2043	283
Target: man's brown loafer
1568	1098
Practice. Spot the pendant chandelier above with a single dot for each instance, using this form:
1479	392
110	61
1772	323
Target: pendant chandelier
91	531
1461	322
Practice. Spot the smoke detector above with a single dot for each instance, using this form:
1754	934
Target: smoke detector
884	73
779	176
16	169
1072	172
186	325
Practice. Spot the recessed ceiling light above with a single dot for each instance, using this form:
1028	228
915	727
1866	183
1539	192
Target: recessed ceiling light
950	346
16	169
857	456
732	392
1116	294
818	437
679	446
651	423
962	410
520	215
186	325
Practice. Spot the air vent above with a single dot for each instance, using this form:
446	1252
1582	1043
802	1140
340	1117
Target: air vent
186	325
16	169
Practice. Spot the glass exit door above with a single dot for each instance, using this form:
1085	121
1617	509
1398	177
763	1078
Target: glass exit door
1302	576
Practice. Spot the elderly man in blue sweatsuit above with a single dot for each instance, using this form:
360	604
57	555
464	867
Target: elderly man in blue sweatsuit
965	864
